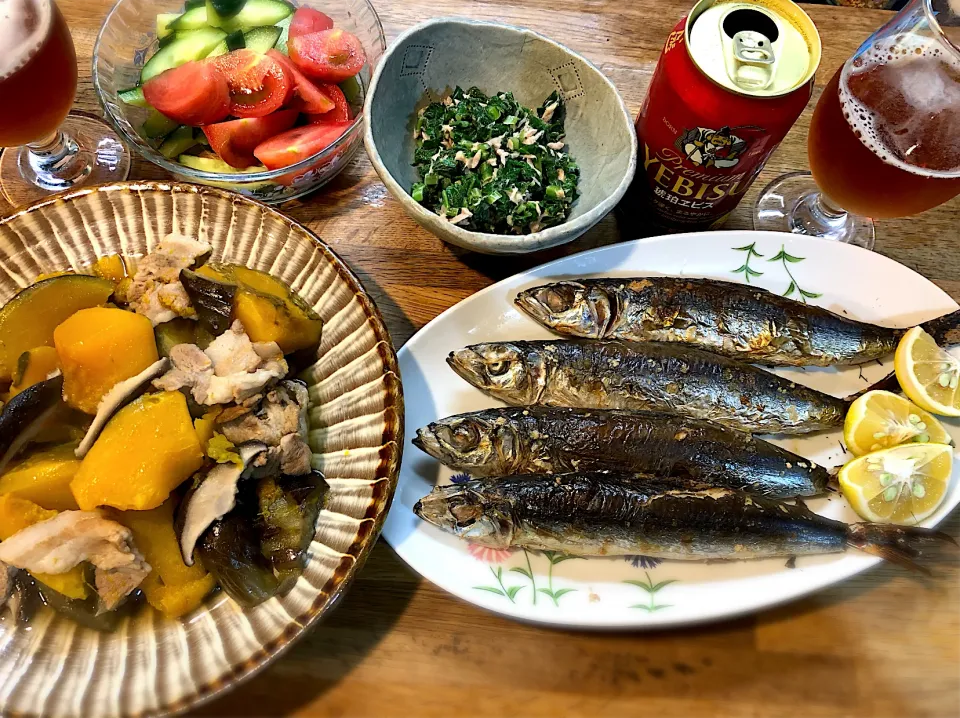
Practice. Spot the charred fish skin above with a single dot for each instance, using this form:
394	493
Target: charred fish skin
600	514
551	440
651	376
735	320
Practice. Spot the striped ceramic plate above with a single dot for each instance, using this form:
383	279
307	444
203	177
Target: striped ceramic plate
152	665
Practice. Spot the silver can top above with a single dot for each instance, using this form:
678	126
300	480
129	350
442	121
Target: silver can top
761	48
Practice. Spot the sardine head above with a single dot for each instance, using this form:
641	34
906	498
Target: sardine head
510	372
464	512
570	308
469	441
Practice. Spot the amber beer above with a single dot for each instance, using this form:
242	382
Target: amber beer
38	71
731	80
885	137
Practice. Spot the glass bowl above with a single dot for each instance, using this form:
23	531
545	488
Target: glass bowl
128	37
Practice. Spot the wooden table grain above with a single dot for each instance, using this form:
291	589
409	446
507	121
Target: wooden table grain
885	643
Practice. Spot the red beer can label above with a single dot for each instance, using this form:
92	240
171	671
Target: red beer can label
732	79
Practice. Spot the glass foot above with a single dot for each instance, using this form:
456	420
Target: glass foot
85	152
794	203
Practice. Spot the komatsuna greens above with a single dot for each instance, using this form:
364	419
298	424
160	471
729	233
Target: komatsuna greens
489	164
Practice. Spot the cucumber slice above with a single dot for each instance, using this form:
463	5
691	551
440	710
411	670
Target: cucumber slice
194	46
163	23
192	19
191	4
133	96
157	125
284	26
209	164
219	10
351	89
261	39
251	13
233	41
178	142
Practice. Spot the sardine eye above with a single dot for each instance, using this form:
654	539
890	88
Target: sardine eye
559	299
464	436
498	368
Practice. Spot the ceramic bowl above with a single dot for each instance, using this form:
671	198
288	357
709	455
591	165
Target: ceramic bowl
128	37
428	61
152	665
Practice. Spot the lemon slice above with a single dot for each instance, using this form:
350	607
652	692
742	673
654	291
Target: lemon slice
902	485
881	419
927	374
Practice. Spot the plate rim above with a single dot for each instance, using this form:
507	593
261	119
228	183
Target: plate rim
666	621
301	624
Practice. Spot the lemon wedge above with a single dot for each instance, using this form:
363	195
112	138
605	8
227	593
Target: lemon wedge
881	419
927	374
902	485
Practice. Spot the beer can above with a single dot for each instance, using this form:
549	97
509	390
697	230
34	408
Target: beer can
731	80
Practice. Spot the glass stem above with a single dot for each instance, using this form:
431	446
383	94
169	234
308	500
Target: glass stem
817	216
56	161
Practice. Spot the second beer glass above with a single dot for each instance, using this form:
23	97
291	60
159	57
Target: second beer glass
885	136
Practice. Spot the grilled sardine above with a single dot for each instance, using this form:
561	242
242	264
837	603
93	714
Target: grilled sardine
603	515
548	440
735	320
649	376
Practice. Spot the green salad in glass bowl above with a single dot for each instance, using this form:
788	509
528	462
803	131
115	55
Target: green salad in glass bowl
262	97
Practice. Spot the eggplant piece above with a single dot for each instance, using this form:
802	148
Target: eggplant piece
289	508
212	299
230	550
176	331
118	397
26	415
212	498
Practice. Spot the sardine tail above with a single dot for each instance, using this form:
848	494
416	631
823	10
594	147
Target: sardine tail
945	330
887	383
901	545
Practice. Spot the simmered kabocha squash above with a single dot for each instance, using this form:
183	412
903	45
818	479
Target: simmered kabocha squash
172	587
146	450
33	367
111	267
44	478
17	514
269	310
28	320
270	319
100	347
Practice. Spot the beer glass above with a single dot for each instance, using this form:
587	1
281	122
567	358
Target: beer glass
46	149
885	136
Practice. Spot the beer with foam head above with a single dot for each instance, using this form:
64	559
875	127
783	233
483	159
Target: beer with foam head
38	71
885	136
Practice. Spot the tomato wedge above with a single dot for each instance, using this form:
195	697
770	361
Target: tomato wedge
307	20
258	84
193	94
340	113
298	144
330	55
234	141
312	98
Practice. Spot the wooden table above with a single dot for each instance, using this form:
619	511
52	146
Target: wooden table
882	644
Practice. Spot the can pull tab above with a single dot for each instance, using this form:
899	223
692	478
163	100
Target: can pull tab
752	66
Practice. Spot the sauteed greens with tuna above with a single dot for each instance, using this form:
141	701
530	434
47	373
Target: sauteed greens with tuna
153	440
489	164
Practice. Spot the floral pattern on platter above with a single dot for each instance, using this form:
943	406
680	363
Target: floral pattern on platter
785	259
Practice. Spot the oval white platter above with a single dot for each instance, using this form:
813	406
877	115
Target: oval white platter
639	592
